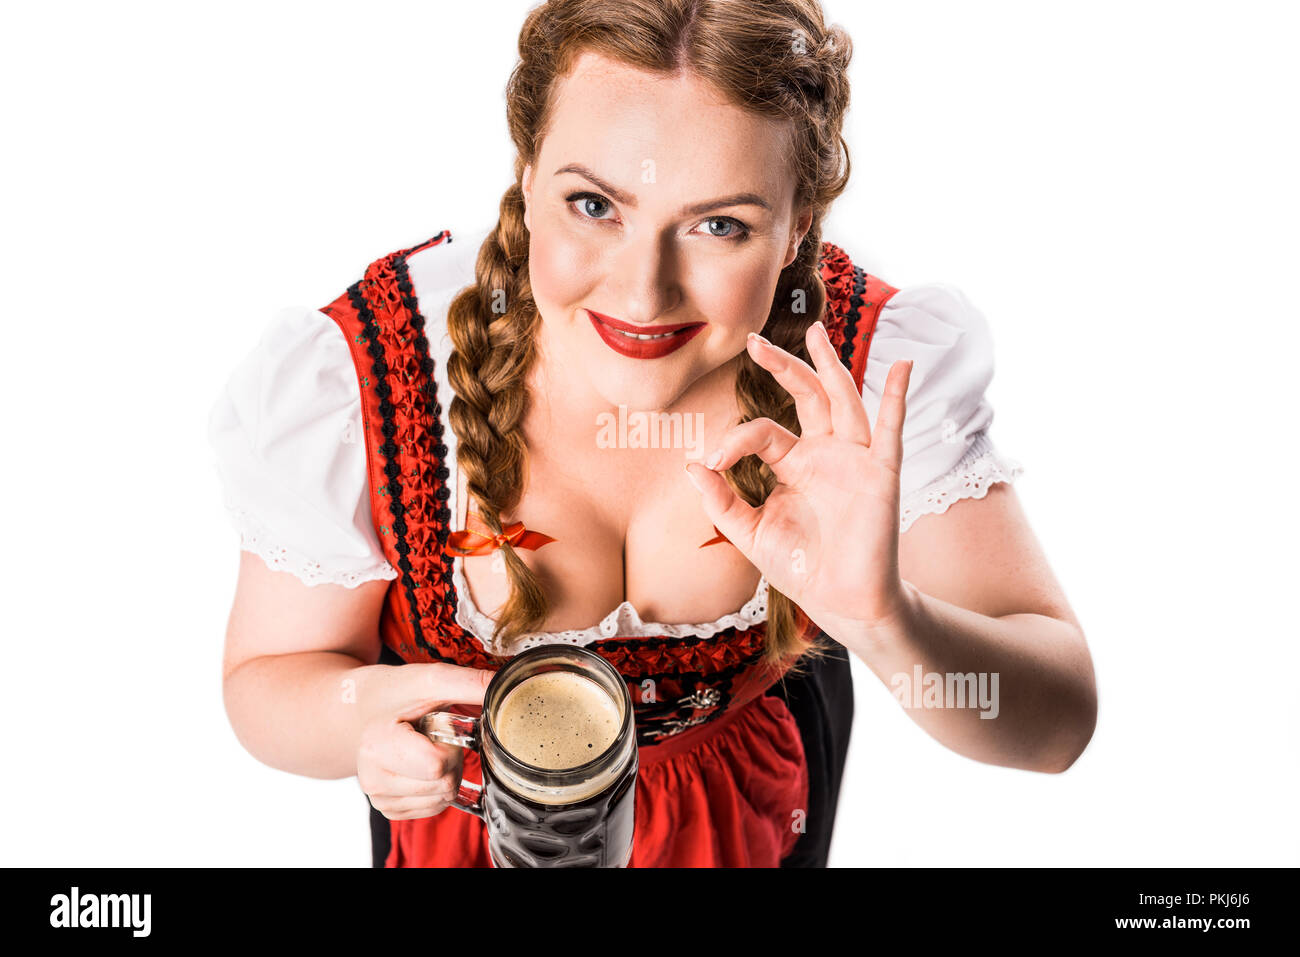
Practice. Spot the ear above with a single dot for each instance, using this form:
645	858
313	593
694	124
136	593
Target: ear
801	227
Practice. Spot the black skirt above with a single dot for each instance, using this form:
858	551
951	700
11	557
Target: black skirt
821	700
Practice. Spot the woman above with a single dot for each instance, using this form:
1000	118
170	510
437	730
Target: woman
436	443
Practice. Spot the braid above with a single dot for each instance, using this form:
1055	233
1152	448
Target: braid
492	326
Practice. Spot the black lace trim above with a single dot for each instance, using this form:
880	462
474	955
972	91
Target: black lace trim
388	428
851	319
442	514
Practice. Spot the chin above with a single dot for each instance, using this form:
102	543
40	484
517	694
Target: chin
638	397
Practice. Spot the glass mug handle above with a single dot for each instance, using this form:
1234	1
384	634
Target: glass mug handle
462	732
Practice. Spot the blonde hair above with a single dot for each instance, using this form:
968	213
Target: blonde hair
776	58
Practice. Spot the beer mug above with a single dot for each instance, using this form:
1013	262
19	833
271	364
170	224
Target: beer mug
556	741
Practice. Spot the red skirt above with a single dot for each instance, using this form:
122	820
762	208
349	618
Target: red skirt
730	793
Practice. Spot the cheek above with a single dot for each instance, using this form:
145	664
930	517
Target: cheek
737	301
558	267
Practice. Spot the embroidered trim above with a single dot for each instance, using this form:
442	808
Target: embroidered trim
442	513
406	455
840	279
850	289
669	658
256	538
422	517
970	478
388	428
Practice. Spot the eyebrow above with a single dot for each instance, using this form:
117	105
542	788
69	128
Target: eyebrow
695	209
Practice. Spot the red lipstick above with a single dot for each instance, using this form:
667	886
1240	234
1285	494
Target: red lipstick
669	337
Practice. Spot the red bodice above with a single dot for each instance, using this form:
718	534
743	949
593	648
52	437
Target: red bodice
411	492
700	683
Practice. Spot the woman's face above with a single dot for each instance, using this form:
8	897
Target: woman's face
656	204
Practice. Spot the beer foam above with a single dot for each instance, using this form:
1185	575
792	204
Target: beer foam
557	720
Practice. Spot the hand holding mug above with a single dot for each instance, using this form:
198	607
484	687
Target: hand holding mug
404	773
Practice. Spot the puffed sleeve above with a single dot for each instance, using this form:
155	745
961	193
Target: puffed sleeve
948	453
290	454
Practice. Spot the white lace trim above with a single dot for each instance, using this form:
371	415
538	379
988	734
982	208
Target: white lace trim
972	477
254	537
622	622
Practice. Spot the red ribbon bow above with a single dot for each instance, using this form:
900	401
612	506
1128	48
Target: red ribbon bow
478	539
716	539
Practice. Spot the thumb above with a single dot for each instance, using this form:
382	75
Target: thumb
447	684
733	516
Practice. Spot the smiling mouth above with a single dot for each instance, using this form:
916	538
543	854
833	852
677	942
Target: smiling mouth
643	342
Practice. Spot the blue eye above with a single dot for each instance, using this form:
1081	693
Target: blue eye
734	224
587	198
737	233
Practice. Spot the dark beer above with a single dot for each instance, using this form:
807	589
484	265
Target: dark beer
557	720
557	748
595	832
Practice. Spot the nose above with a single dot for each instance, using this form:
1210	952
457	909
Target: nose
645	279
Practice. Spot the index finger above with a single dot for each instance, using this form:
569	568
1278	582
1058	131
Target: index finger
812	405
848	416
448	684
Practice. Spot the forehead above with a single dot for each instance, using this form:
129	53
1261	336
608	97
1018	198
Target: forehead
613	118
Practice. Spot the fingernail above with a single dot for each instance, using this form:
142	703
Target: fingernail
713	460
755	335
694	481
822	329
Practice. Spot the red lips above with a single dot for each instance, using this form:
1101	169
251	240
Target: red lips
673	336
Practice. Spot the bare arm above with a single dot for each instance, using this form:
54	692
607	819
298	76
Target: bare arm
299	676
981	597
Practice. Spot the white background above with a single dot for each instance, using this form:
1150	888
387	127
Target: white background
1113	184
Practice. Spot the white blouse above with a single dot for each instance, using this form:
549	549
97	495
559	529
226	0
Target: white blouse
290	452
